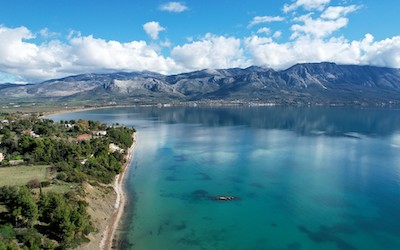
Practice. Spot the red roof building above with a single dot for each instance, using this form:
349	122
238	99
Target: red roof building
84	137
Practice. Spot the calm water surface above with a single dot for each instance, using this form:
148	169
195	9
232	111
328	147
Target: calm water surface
307	178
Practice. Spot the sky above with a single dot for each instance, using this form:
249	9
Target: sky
47	39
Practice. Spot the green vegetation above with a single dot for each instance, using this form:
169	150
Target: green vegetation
21	175
42	202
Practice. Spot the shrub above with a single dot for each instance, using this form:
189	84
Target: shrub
35	183
45	183
61	176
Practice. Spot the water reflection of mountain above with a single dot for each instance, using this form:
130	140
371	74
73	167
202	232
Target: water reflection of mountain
303	121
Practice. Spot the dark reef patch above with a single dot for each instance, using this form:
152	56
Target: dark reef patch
325	235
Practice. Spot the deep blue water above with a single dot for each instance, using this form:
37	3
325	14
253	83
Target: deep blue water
307	178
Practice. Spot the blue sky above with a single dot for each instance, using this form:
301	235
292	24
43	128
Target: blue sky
43	39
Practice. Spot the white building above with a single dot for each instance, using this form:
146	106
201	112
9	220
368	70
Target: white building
1	157
114	148
99	132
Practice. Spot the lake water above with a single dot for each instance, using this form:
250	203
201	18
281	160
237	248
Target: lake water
306	178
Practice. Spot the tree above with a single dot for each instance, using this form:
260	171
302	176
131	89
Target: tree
82	125
20	203
121	135
67	219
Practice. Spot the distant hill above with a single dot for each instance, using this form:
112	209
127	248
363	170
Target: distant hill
309	83
8	85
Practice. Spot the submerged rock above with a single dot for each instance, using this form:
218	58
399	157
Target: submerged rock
225	198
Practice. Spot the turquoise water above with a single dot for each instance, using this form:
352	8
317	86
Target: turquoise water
307	178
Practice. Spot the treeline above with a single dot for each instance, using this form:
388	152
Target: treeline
50	220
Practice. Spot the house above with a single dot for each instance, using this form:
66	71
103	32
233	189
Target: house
27	132
1	157
114	148
30	132
4	121
99	132
70	126
84	137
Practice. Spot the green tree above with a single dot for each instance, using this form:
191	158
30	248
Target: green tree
20	203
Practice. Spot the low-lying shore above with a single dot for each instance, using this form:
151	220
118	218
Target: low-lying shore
120	202
106	208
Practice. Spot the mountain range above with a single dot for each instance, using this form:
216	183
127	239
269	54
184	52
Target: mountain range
301	84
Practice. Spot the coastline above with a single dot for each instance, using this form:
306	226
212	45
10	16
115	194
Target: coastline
106	206
109	232
106	202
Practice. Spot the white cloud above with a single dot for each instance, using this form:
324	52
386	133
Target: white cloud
210	52
92	53
19	57
265	19
382	53
46	33
80	54
152	29
24	60
306	4
175	7
316	27
335	12
277	34
264	51
331	20
263	30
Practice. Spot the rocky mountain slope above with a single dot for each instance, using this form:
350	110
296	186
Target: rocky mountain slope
311	83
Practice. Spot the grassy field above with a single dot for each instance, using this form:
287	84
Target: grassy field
20	175
61	188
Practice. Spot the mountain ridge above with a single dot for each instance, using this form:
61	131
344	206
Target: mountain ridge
308	83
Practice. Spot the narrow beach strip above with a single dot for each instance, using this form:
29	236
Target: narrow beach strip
109	232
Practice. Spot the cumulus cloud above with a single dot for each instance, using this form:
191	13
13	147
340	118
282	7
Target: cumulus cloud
46	33
80	54
264	51
175	7
331	20
382	53
20	57
335	12
277	34
210	52
317	27
263	30
265	19
23	59
306	4
92	53
153	29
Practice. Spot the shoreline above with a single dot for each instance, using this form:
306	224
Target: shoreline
110	213
109	232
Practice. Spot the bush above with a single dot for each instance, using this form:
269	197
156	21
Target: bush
61	176
45	183
35	183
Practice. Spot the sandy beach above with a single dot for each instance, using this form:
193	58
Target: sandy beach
106	242
106	207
